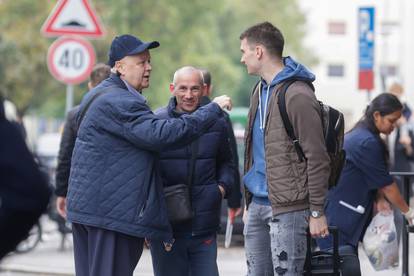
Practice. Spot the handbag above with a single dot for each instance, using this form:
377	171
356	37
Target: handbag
178	196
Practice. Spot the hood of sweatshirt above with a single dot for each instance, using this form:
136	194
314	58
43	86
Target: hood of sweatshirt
292	70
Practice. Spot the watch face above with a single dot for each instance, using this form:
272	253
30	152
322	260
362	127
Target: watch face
315	214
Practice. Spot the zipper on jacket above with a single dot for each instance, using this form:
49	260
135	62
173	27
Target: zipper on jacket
141	212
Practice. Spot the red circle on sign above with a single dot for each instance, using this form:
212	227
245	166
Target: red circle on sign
64	73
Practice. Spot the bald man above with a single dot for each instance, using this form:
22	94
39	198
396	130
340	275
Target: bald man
194	251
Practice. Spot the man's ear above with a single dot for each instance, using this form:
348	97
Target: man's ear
171	87
259	51
207	90
119	66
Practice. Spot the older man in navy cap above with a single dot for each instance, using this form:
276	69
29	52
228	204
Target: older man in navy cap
115	195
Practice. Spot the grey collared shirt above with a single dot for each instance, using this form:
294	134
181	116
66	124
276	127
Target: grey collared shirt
134	91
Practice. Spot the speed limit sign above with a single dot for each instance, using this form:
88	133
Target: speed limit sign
70	59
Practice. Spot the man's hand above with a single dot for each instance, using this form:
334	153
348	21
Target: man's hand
405	140
244	217
61	206
222	191
233	213
147	243
223	101
318	227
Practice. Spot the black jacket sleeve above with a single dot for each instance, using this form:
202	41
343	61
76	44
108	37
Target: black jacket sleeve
234	200
67	144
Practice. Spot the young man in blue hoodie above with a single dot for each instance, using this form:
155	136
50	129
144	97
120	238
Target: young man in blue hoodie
283	195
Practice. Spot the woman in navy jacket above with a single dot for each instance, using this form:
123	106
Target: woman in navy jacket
365	177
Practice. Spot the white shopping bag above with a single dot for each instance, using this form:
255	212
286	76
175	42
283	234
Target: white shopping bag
380	241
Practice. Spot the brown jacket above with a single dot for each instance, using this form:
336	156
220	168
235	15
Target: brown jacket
292	185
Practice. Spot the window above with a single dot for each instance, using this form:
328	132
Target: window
336	70
336	28
389	70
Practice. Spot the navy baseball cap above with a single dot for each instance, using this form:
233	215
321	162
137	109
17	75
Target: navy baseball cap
128	45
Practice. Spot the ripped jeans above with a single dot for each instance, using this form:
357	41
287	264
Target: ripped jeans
275	246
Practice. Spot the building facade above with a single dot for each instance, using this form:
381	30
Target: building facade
332	36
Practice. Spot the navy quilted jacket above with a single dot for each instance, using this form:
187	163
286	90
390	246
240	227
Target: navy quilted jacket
114	181
213	166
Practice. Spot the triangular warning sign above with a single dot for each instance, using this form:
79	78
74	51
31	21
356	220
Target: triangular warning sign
72	17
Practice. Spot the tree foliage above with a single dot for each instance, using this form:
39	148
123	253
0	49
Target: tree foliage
200	33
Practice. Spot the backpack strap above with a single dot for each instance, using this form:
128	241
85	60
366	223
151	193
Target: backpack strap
255	86
281	102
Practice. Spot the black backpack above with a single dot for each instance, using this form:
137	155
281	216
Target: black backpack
333	124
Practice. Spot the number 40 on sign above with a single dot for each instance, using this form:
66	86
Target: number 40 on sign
71	59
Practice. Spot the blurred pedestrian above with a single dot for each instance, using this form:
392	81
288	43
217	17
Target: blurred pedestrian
13	116
24	191
365	178
99	73
283	194
400	144
115	194
208	162
234	199
397	90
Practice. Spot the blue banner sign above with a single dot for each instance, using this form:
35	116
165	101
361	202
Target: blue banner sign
366	24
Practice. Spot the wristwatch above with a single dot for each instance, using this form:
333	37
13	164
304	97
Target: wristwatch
316	214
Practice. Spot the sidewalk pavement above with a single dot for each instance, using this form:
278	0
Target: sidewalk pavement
47	260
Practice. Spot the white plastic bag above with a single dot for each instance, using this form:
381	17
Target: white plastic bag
380	241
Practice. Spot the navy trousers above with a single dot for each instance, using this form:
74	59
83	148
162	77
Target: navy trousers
350	264
189	256
100	252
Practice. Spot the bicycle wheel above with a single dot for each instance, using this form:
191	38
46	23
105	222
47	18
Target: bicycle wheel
33	238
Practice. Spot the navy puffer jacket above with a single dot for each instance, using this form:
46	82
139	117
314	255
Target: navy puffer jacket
114	181
213	167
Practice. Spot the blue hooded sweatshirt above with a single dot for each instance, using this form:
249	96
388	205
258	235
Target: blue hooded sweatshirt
255	178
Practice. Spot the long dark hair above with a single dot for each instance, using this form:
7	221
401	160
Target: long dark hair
385	104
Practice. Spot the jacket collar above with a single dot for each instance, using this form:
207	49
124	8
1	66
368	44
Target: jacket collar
172	108
118	81
172	104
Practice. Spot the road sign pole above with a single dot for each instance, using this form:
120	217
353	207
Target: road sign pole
369	96
69	97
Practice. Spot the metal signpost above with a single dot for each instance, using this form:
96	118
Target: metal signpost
366	38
